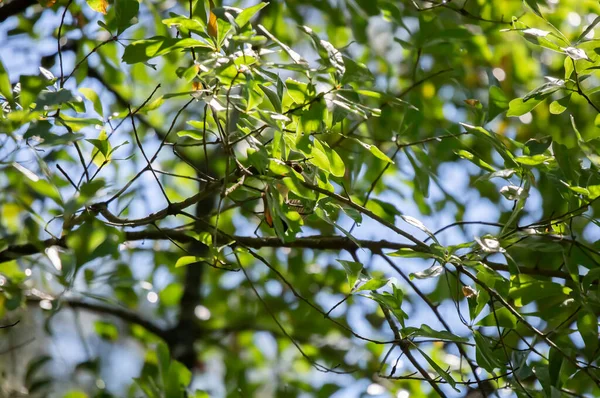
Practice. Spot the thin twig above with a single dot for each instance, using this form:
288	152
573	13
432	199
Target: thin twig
58	40
137	140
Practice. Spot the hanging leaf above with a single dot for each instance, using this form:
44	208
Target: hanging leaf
353	270
126	12
498	102
444	375
431	272
213	29
373	284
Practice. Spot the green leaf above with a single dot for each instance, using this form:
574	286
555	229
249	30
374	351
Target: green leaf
5	86
519	107
293	183
568	162
298	60
311	120
336	164
355	72
50	99
106	330
11	270
204	237
126	12
569	66
94	239
587	325
75	394
91	95
143	50
244	17
375	151
421	175
187	260
373	284
475	160
77	123
505	319
181	22
484	356
534	160
444	375
200	10
572	267
590	277
513	267
393	302
495	140
178	378
524	291
554	364
545	89
409	253
533	4
314	154
101	154
164	360
298	91
148	386
498	102
273	97
323	214
31	86
330	56
171	294
353	270
538	146
559	106
426	331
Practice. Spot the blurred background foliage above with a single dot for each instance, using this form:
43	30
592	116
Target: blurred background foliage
373	122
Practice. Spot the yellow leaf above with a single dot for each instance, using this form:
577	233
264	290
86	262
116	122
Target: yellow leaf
213	29
212	25
197	85
267	212
98	5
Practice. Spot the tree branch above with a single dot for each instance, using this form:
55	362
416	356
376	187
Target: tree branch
14	7
315	242
121	313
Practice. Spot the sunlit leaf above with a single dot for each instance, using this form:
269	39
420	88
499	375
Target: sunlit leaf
98	5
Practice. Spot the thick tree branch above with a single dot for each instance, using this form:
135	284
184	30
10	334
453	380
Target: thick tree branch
14	7
316	242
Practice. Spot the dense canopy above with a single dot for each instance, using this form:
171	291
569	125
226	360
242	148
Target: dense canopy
299	198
